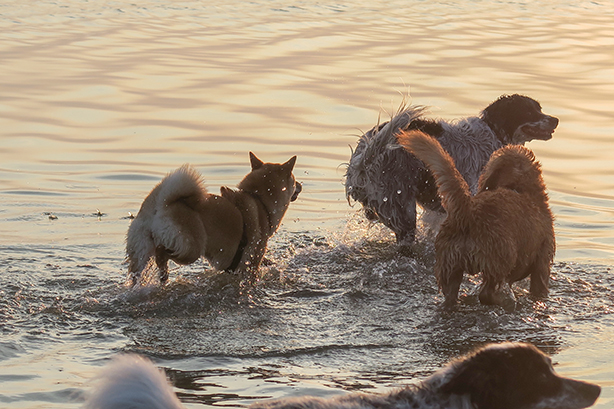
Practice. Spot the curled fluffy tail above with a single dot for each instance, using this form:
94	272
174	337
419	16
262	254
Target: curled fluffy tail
132	382
451	185
184	183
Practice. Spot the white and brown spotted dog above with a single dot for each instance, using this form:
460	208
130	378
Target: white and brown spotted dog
389	181
498	376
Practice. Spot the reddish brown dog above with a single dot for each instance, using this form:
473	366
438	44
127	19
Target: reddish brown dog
504	232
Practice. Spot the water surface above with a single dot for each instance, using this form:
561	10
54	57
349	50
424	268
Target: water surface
101	99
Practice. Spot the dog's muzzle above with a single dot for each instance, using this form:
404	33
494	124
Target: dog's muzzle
541	129
298	188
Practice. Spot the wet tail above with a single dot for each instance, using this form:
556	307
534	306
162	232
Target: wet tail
451	185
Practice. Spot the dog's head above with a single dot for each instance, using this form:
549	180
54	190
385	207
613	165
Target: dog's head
274	184
513	167
514	375
517	119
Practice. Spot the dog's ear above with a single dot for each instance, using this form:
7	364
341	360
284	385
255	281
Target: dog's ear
491	178
256	163
477	382
289	164
511	167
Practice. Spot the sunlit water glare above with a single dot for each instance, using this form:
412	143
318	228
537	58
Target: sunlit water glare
101	99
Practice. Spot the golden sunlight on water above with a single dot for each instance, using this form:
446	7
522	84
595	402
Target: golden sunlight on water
122	89
101	99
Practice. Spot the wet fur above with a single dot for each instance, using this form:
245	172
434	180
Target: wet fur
502	376
504	232
180	221
389	181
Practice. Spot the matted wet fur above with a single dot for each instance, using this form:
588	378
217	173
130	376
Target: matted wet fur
498	376
389	181
180	221
504	232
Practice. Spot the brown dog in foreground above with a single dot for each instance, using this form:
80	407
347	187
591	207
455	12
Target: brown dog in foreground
504	232
180	221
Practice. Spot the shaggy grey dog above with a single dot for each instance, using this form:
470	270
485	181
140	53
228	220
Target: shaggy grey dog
389	181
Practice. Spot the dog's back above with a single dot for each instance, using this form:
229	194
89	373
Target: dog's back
452	186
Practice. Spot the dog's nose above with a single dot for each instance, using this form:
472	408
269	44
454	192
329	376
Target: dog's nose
554	121
298	188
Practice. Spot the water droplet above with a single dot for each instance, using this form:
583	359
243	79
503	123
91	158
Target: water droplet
385	199
399	192
283	189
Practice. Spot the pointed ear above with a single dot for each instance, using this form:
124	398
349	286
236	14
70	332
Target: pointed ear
290	163
256	163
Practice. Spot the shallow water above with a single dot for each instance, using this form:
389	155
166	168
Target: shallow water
101	99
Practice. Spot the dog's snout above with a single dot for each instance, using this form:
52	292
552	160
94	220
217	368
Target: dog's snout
554	121
298	188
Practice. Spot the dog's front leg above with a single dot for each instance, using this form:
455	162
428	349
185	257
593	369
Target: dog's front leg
252	256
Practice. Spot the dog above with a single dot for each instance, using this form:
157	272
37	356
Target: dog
180	221
504	232
497	376
389	181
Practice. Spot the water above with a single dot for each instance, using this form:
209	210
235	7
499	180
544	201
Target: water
101	99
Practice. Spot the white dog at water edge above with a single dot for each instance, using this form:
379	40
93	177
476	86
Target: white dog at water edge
498	376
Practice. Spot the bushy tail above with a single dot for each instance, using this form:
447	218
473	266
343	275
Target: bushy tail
184	183
452	186
132	382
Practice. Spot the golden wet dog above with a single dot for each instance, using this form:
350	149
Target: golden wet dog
180	221
504	232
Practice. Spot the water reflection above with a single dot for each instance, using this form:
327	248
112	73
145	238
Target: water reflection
101	99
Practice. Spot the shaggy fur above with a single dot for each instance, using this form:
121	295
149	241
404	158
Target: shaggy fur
180	221
389	181
504	232
499	376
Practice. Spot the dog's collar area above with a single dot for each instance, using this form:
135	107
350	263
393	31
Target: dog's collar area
266	210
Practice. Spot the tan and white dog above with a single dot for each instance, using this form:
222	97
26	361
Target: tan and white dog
180	221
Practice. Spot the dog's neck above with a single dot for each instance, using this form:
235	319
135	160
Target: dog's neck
270	227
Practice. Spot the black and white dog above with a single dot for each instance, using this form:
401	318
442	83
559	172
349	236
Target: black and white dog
499	376
389	181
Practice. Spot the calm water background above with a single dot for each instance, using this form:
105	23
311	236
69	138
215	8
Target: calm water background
101	99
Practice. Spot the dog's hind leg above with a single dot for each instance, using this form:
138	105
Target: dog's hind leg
540	276
139	250
162	257
493	293
449	279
